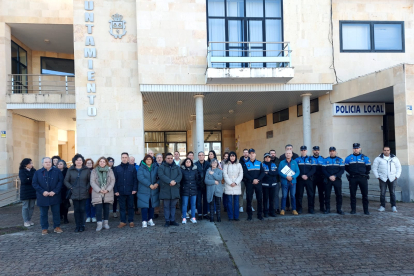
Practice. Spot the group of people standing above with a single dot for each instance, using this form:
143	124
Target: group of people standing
197	187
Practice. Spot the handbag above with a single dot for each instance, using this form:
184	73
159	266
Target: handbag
69	194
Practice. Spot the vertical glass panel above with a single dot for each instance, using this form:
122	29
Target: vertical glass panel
273	8
14	66
388	37
182	149
14	50
22	56
236	34
356	37
235	8
256	35
274	34
216	33
217	148
215	7
254	8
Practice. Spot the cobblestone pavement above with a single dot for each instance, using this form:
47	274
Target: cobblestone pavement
379	244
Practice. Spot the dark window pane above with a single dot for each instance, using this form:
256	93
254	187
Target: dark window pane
22	56
215	7
57	66
14	51
281	116
273	8
260	122
388	37
314	107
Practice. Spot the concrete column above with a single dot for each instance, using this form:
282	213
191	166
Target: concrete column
307	131
199	123
193	137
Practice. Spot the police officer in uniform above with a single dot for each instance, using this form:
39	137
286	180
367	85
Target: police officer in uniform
358	166
307	169
318	178
253	172
333	169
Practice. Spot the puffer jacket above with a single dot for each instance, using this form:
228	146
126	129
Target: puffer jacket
385	170
233	173
167	173
189	181
212	188
96	188
79	182
147	177
26	189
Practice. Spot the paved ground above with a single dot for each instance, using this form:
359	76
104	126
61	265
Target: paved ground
380	244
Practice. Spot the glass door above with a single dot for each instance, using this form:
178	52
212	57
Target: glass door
216	146
180	147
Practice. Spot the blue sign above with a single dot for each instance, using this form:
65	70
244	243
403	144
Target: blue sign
358	109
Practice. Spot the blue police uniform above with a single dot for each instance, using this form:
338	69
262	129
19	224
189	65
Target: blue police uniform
318	181
253	170
307	167
333	166
268	186
358	166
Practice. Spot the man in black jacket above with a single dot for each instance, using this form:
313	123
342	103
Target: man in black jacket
202	205
276	161
126	186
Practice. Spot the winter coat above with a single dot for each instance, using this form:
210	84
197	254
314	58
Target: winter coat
385	170
212	188
232	173
271	174
79	182
146	177
26	189
293	166
48	181
189	181
64	190
96	188
201	169
166	174
125	179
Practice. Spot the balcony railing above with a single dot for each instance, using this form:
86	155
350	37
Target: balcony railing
248	54
40	84
9	189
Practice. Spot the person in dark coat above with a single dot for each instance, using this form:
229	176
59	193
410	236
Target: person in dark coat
169	175
48	183
189	188
126	185
27	192
111	163
148	190
202	167
65	204
78	180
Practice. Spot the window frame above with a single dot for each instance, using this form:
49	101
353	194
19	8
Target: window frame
254	122
297	110
20	80
67	74
279	112
372	37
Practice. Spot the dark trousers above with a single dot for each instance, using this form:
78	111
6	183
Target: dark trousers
44	216
300	187
225	201
136	202
64	208
123	201
102	207
288	199
318	181
202	205
362	182
250	189
268	199
215	203
147	213
337	184
115	204
169	209
79	211
391	189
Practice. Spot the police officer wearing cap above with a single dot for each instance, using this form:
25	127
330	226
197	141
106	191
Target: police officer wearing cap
333	169
358	166
307	169
318	178
253	172
269	185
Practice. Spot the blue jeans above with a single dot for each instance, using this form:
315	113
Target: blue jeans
232	206
147	213
44	216
192	204
285	188
123	200
90	209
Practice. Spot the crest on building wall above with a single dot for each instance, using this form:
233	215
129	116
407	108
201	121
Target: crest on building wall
117	26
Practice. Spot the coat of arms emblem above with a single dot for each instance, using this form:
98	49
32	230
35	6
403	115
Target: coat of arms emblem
117	26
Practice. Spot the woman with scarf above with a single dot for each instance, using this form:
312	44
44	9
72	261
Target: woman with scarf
102	183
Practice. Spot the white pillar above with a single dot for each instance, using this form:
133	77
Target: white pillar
193	137
199	124
307	131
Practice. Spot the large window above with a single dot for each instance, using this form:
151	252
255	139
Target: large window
314	107
280	116
372	36
58	66
245	21
260	122
163	142
19	68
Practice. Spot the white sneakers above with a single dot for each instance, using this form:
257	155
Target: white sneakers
27	224
31	223
88	219
193	220
394	209
184	221
381	209
98	226
106	225
93	219
151	223
144	224
241	210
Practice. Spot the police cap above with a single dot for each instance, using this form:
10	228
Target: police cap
316	148
356	145
332	149
251	150
303	148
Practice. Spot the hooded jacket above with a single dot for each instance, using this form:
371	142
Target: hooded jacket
387	169
189	181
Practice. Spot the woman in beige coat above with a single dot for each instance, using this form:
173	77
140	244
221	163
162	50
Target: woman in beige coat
233	175
102	183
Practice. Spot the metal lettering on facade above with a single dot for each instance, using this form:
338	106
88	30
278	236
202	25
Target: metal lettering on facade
358	109
90	53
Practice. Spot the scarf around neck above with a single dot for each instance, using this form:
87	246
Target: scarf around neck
102	175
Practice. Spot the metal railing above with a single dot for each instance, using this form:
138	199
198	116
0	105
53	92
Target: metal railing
249	54
40	84
9	189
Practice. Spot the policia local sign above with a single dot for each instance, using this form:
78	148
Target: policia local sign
358	109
